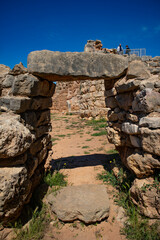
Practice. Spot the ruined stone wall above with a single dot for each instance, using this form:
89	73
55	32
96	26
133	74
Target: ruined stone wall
65	98
92	99
25	142
85	97
134	128
132	91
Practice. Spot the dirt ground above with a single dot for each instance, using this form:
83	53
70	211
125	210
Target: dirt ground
81	156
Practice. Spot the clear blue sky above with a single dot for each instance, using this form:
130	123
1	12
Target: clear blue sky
67	25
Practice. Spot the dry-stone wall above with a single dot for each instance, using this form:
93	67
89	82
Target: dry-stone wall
132	90
85	97
25	142
92	99
134	128
66	95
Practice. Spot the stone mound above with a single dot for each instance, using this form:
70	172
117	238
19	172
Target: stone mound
88	203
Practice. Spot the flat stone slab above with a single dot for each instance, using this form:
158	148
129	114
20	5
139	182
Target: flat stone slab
60	66
88	203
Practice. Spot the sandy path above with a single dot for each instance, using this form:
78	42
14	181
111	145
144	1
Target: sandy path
81	157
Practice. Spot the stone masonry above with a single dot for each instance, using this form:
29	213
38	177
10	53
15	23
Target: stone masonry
65	98
132	91
85	97
25	142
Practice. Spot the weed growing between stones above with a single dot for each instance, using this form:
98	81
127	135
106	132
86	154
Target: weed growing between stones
137	226
36	226
55	179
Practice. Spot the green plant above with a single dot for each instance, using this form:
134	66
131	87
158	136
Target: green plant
112	151
35	230
55	179
54	139
85	147
136	227
61	135
101	133
86	152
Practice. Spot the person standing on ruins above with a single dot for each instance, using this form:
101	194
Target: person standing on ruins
120	49
128	50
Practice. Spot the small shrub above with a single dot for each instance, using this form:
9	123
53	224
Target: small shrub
35	230
55	179
136	227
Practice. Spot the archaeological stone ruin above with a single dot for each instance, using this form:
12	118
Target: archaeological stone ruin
131	92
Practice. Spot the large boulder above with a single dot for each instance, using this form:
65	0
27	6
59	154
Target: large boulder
137	69
88	203
70	66
145	194
151	140
146	101
4	70
15	138
15	192
142	164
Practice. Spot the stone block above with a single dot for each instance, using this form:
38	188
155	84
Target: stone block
126	86
15	104
15	138
146	198
42	130
111	102
40	103
137	69
56	66
31	86
13	161
114	137
132	117
124	100
150	140
18	69
130	128
135	141
150	122
110	93
146	101
15	188
8	81
142	164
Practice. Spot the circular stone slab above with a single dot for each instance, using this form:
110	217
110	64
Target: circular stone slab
88	203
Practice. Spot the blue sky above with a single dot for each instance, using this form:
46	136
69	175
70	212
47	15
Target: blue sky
67	25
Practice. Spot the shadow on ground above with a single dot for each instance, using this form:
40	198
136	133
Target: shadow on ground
106	160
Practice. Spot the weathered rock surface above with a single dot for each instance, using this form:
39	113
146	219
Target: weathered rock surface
4	70
28	85
150	122
142	165
145	194
70	66
14	192
18	69
137	69
147	101
15	138
88	203
151	140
